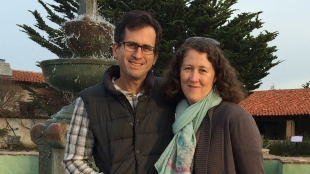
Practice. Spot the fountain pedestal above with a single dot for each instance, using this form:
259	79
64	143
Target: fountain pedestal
51	142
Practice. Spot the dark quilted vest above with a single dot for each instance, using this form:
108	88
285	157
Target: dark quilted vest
127	140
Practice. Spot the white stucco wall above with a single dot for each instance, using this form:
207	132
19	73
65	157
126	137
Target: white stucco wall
24	127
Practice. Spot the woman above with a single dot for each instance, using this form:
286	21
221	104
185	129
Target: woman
213	134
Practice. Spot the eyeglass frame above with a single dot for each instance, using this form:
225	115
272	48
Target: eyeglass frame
137	47
213	41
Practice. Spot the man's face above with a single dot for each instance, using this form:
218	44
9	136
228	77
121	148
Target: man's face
134	65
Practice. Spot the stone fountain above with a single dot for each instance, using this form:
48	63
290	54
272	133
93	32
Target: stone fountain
89	37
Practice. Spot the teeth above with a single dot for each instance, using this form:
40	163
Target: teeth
136	64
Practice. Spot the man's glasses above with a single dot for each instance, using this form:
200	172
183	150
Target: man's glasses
213	41
133	46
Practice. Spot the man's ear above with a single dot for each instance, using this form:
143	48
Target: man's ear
155	58
115	50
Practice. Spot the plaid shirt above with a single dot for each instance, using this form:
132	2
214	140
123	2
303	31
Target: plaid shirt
80	140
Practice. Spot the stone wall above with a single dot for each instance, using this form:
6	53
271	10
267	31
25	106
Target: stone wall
28	163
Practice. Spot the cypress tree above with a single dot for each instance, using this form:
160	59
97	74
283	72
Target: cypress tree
250	55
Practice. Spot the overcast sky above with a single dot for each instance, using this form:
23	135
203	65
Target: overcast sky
290	18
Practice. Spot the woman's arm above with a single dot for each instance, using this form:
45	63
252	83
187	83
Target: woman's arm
246	144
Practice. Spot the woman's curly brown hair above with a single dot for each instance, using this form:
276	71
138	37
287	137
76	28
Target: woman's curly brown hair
227	83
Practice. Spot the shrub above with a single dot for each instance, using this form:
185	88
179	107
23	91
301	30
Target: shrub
287	148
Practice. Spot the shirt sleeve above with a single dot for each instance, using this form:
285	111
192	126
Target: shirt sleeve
79	143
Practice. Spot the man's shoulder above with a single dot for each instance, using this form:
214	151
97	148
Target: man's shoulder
92	90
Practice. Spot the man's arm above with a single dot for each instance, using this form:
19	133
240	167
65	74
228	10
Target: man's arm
80	142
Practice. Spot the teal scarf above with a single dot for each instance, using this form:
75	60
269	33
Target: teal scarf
178	156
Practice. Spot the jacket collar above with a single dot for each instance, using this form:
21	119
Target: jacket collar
114	71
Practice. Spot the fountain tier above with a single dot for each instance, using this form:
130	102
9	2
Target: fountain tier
89	39
74	75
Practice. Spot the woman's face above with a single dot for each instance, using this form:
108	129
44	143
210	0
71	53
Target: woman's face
197	76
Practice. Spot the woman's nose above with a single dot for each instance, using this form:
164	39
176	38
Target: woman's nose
194	77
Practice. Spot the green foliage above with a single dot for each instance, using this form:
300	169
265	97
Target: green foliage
250	55
8	128
3	132
306	85
266	142
287	148
54	42
43	103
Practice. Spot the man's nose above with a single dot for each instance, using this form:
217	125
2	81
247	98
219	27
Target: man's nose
138	53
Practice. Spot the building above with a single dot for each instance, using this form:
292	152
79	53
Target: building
280	114
35	102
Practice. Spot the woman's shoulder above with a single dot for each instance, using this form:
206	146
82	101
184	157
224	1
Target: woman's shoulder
224	105
230	110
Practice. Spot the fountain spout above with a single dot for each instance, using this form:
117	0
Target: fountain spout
89	35
88	7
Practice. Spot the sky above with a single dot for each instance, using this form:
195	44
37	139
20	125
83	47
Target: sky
290	18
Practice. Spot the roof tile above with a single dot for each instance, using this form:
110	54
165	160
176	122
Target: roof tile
285	102
27	76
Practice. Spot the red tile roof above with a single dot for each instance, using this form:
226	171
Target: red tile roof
286	102
28	76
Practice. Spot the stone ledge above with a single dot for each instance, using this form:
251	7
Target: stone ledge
16	153
288	160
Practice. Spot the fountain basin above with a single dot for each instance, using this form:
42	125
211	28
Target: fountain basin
74	75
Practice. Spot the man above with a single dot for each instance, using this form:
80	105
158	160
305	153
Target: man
124	122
